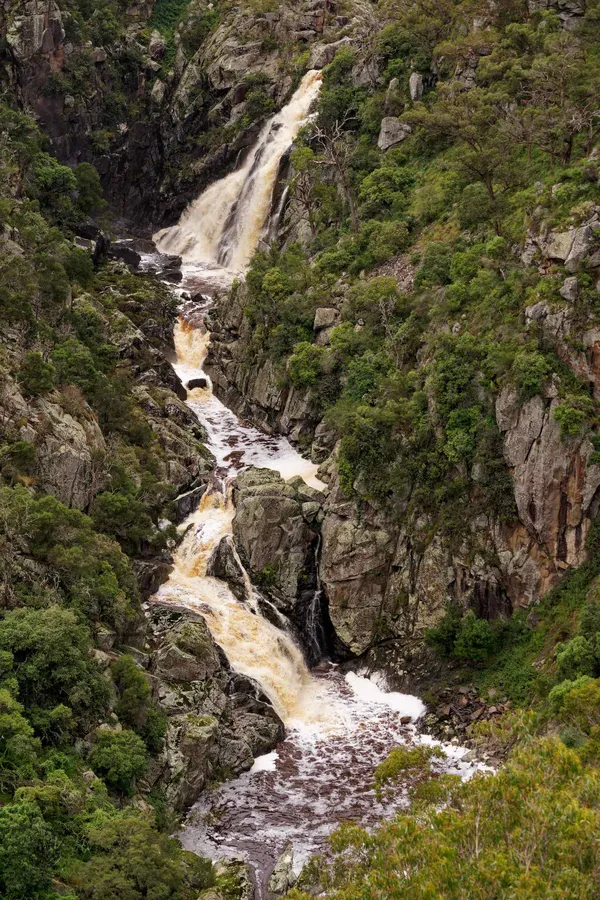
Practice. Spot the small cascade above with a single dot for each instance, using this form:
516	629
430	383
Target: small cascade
314	628
253	645
225	224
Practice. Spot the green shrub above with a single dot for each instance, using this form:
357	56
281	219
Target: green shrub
576	657
475	639
28	852
306	364
530	371
120	758
36	375
59	685
571	419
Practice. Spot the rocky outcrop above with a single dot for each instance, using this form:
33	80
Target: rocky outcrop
218	721
69	445
276	532
555	484
250	384
392	133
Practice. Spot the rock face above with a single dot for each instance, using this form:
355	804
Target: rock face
276	532
218	721
555	485
249	384
392	133
67	438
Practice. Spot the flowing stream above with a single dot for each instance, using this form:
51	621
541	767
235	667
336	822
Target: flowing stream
337	728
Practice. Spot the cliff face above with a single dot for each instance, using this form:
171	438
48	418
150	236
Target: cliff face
161	118
388	575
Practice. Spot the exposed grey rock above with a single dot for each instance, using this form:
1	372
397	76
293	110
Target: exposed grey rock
392	132
282	878
156	45
415	86
225	564
555	484
570	289
322	54
273	536
325	317
570	247
218	720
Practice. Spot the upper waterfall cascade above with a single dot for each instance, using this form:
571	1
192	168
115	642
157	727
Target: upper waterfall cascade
225	224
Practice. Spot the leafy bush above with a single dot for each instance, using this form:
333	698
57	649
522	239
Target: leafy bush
60	687
28	852
120	758
530	370
36	375
306	364
475	639
576	657
131	861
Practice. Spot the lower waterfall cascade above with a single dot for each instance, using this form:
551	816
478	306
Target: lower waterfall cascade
338	728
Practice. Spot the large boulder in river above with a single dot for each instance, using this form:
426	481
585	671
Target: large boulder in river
218	720
273	535
276	532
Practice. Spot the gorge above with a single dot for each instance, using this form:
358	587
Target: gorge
337	729
299	450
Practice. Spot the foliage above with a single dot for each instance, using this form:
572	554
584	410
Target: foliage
528	831
131	860
120	757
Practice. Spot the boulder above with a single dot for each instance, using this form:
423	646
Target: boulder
415	86
569	247
570	289
392	132
225	564
322	54
156	45
282	878
194	383
325	317
272	536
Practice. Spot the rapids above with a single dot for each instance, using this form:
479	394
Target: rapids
337	728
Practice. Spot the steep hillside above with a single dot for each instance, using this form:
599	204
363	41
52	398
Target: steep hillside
431	317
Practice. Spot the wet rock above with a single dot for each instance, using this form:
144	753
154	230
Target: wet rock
151	573
392	132
196	383
282	878
225	564
186	503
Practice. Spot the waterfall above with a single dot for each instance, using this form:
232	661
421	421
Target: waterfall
253	645
224	225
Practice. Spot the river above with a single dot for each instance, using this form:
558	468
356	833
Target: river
338	727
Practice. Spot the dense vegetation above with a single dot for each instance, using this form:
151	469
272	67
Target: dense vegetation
76	731
409	377
420	249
